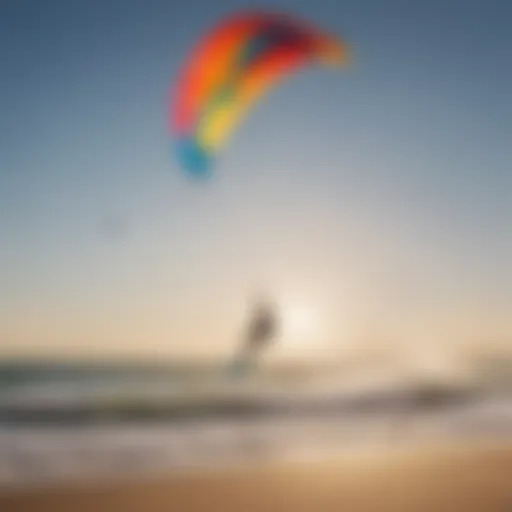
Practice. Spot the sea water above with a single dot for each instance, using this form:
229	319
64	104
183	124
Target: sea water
59	423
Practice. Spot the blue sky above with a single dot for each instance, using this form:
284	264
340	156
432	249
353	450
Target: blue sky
378	195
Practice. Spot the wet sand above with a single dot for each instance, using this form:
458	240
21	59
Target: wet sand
433	479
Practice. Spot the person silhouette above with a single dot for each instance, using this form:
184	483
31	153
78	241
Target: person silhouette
262	329
263	326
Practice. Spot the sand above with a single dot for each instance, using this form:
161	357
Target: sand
433	479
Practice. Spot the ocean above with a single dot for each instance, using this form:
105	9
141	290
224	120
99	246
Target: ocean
77	422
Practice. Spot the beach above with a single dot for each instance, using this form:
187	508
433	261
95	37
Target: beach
272	446
442	478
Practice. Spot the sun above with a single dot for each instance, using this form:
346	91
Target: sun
301	327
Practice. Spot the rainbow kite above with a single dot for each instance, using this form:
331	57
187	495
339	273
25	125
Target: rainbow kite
230	69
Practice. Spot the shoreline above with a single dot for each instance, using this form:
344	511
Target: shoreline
474	477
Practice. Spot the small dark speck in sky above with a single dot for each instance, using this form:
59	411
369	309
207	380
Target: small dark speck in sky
115	227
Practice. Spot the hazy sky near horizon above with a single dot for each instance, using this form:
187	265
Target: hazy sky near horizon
373	198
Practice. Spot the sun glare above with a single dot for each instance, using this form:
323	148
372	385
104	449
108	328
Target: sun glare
301	327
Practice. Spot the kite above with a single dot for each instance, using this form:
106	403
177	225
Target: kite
231	69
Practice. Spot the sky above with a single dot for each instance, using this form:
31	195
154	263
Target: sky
372	202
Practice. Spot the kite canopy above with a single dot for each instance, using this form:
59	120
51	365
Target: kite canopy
231	68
